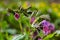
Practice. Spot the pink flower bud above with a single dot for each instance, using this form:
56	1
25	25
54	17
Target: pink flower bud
16	16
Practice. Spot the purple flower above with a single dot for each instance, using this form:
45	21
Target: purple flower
51	27
38	38
47	27
46	30
45	23
35	33
32	20
16	16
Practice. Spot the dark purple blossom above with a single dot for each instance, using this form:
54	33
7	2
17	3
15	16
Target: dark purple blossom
38	38
35	33
51	27
32	20
16	16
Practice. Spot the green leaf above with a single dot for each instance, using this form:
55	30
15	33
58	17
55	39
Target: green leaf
18	37
3	24
25	20
49	36
1	36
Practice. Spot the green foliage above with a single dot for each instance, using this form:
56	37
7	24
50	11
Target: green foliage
49	36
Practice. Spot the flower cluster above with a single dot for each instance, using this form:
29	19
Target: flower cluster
47	27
